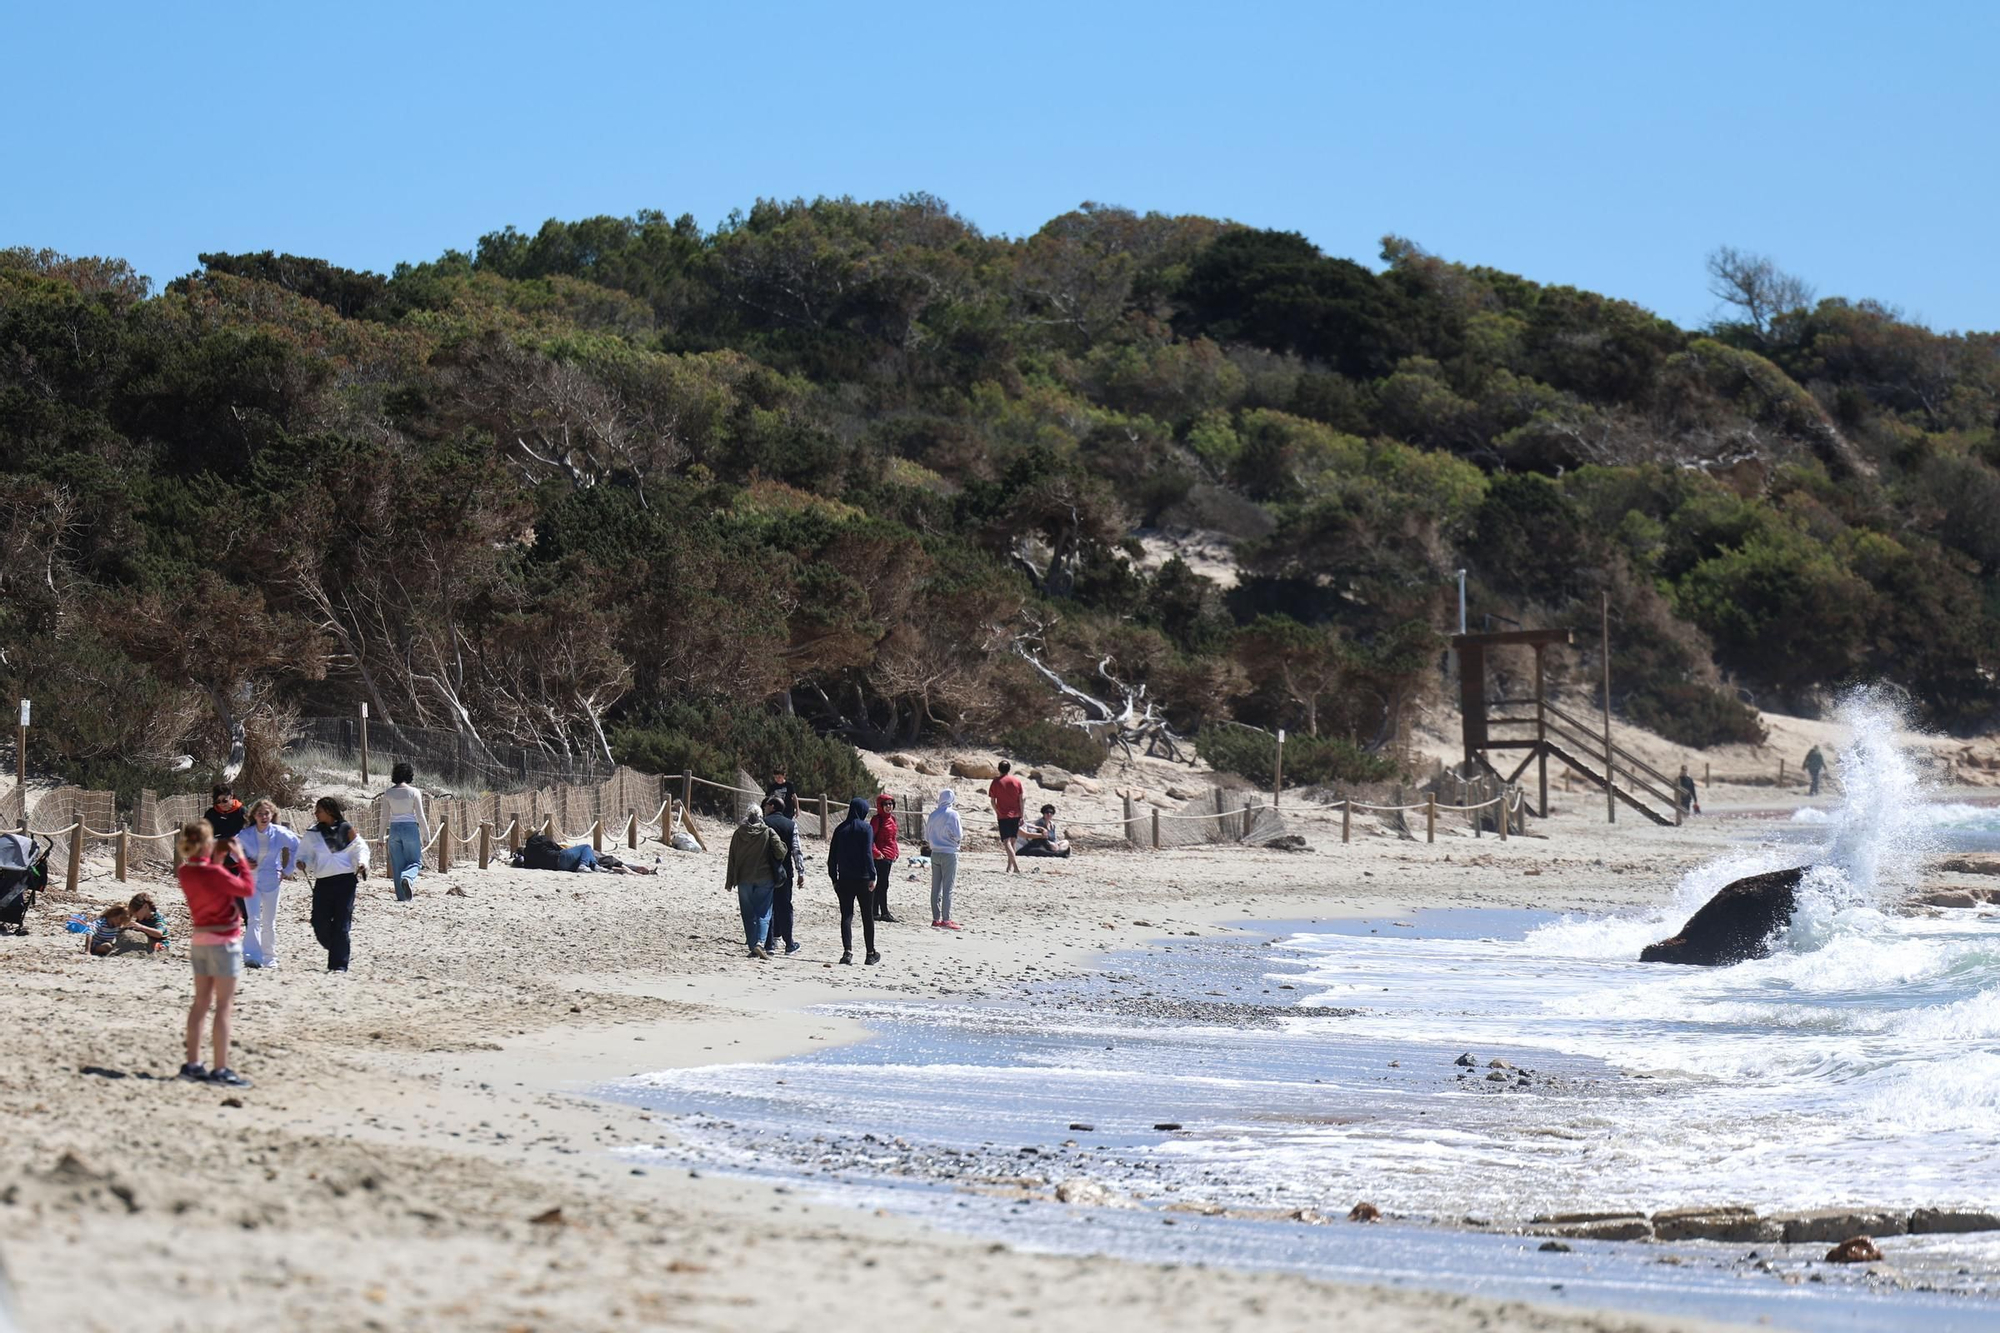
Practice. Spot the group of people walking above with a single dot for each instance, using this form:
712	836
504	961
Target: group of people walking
766	865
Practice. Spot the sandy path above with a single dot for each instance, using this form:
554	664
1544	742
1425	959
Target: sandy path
412	1117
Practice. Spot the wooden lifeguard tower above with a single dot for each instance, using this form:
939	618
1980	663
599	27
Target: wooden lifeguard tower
1551	731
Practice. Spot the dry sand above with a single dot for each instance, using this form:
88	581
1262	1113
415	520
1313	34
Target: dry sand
413	1118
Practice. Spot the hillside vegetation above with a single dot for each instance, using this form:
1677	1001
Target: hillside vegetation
863	464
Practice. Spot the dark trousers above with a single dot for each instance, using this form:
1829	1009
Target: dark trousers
855	893
883	869
1815	782
781	914
333	917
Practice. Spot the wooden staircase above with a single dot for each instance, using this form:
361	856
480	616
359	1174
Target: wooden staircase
1633	782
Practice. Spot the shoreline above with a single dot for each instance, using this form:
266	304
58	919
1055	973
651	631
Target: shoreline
446	1070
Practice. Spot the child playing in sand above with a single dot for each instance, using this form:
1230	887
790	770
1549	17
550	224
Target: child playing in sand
103	937
145	919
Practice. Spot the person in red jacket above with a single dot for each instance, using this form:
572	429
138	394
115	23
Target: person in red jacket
215	886
886	852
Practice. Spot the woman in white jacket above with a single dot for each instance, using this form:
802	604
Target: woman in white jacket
334	858
944	833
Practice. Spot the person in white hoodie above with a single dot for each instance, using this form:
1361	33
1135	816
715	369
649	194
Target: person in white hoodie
944	833
408	827
334	858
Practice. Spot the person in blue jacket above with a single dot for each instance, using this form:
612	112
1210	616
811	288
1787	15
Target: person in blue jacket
850	864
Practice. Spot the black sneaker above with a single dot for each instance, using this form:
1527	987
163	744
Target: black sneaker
847	960
194	1073
872	958
792	947
886	917
229	1078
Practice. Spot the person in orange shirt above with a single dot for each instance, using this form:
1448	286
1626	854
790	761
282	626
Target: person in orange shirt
1008	803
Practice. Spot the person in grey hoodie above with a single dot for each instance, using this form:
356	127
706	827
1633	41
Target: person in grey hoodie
944	833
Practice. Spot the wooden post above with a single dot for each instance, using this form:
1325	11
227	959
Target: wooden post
1156	828
549	827
514	832
1278	770
825	829
916	809
632	831
1610	796
1244	832
485	843
1505	814
1430	816
364	745
75	852
444	842
687	790
1541	737
21	762
597	834
1347	820
124	852
1781	772
1707	781
1130	815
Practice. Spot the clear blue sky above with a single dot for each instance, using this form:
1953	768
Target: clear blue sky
1609	145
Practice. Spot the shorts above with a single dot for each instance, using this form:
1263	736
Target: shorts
1010	828
217	960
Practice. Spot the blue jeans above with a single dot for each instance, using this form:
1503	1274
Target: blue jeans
755	902
579	857
406	857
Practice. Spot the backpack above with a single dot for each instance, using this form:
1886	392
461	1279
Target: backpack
539	852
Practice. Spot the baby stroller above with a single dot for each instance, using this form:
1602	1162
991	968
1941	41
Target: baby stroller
24	873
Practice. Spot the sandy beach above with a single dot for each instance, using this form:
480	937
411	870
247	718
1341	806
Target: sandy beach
420	1150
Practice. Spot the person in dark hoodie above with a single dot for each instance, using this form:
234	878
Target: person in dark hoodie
850	864
781	892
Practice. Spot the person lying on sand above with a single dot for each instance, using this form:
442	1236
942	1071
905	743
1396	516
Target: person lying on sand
541	852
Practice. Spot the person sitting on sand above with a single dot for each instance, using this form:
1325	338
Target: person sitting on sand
1040	837
146	921
103	938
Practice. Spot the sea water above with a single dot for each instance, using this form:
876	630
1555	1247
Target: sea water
1858	1064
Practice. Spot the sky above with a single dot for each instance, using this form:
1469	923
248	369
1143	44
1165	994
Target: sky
1610	146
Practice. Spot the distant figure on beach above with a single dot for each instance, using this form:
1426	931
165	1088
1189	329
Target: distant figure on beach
944	832
850	864
409	828
781	787
273	850
1040	837
887	853
335	859
1815	765
1689	799
781	892
1009	802
214	888
757	859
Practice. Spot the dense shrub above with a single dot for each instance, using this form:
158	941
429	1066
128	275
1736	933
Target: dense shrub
713	739
1053	743
1309	760
1695	715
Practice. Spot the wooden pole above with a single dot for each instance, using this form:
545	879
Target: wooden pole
124	852
1541	737
1707	781
1505	815
1781	772
364	745
21	762
687	790
597	834
1156	828
1430	816
485	843
514	832
1245	832
549	827
444	842
1610	796
1130	815
1347	820
825	829
1278	770
75	853
632	831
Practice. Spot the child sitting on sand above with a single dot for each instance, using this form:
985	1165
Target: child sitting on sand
103	937
146	920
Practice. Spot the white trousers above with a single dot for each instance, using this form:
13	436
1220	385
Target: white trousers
260	940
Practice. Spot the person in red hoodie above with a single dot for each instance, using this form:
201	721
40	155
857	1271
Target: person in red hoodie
886	852
215	881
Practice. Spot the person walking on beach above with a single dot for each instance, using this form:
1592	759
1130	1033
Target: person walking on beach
850	864
213	888
1690	800
886	852
409	828
1009	802
781	892
757	858
272	850
1815	765
226	815
781	787
335	859
945	833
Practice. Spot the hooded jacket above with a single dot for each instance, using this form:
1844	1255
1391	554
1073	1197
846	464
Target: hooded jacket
885	831
850	852
756	854
943	830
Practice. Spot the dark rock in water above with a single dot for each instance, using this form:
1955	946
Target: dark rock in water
1854	1250
1734	925
1554	1247
1364	1212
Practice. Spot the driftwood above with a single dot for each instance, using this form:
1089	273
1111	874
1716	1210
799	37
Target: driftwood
1135	721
